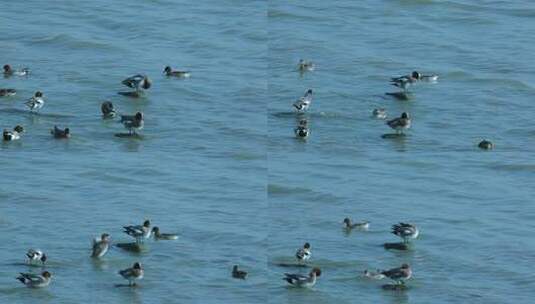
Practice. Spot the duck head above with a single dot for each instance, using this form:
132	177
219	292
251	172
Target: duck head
405	115
46	274
19	129
146	223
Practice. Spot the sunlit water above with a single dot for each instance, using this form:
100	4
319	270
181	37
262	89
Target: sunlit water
218	162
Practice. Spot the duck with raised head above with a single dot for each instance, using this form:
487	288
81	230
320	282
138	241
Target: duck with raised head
108	110
36	102
139	232
7	92
13	135
303	103
303	254
401	123
100	247
133	122
132	274
349	225
299	280
9	71
238	274
60	133
163	236
36	255
168	71
33	280
405	231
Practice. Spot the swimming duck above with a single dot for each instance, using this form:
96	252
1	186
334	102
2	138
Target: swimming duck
238	274
305	66
139	232
379	113
301	130
13	135
404	82
349	225
486	145
132	274
8	71
100	247
133	122
138	82
32	280
303	254
163	236
405	231
400	274
108	110
59	133
303	103
36	255
7	92
36	102
298	280
168	71
401	123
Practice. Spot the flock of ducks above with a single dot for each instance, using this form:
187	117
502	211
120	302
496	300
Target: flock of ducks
99	248
133	123
398	124
406	231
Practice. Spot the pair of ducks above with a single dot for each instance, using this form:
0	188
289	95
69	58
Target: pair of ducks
132	123
141	82
18	130
143	232
298	280
32	280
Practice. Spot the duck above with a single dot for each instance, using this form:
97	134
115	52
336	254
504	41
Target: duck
405	231
302	131
238	274
13	135
36	255
36	102
168	71
303	103
9	71
399	274
100	247
108	110
303	254
32	280
138	82
349	225
404	82
401	123
133	122
139	232
132	274
379	113
7	92
299	280
59	133
305	66
486	145
163	236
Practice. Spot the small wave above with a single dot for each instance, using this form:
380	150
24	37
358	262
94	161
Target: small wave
71	42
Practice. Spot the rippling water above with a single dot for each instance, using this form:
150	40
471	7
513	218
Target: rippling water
223	170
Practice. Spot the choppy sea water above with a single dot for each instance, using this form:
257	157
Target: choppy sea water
218	162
